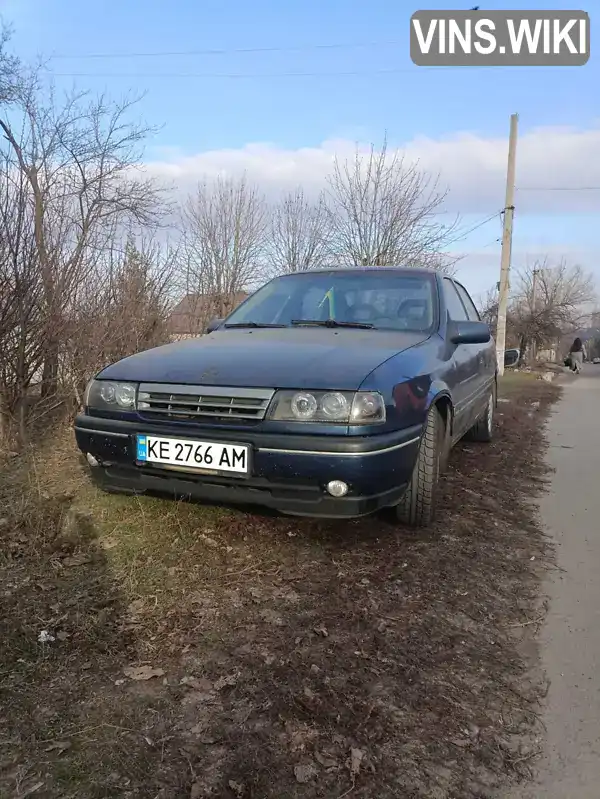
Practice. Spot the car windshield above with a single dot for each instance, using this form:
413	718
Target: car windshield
379	299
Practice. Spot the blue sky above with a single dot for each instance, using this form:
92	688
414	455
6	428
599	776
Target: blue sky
201	111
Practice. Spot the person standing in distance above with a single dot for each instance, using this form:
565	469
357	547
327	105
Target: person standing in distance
576	353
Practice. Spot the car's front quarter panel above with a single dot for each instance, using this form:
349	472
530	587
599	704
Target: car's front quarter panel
411	382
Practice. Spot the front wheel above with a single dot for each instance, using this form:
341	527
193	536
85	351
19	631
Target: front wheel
418	505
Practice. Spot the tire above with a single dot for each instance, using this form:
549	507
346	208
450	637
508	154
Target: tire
418	505
446	441
483	429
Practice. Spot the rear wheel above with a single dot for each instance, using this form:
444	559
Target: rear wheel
418	505
483	429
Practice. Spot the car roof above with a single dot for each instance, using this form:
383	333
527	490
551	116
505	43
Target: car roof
411	270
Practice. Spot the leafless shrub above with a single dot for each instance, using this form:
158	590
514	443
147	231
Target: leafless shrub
78	157
123	310
69	182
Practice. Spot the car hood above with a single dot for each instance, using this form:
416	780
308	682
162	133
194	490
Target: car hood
274	358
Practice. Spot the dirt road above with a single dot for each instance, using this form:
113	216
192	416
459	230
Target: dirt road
570	639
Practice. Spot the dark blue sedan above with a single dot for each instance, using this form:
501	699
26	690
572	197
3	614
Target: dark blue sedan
331	393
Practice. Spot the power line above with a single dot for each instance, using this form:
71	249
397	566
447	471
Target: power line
251	75
464	235
229	75
472	253
484	246
491	243
241	75
477	251
227	51
559	188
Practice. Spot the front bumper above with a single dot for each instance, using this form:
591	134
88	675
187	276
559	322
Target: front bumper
289	472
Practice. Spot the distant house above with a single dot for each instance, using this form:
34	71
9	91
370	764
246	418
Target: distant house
548	355
191	315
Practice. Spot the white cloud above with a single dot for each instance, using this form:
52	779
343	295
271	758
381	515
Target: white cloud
473	167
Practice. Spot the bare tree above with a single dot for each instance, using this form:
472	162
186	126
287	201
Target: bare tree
79	158
10	68
382	212
539	319
488	308
300	237
21	314
225	227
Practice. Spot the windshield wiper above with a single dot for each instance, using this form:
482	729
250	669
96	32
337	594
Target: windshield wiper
331	323
252	324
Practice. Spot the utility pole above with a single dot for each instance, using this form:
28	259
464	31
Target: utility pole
534	273
509	211
533	308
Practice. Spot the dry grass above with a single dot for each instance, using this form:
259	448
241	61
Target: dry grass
298	658
512	382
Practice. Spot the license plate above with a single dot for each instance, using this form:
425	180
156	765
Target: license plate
207	456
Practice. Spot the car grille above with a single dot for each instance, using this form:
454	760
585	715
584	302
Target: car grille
182	402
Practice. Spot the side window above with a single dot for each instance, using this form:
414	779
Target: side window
468	303
454	304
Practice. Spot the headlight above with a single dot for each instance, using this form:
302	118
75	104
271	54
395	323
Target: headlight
339	407
106	395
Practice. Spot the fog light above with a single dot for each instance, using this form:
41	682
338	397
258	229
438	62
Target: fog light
337	488
91	460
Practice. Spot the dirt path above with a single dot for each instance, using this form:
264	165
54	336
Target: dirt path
570	639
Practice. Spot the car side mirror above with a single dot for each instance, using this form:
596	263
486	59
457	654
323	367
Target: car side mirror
470	333
511	356
213	325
